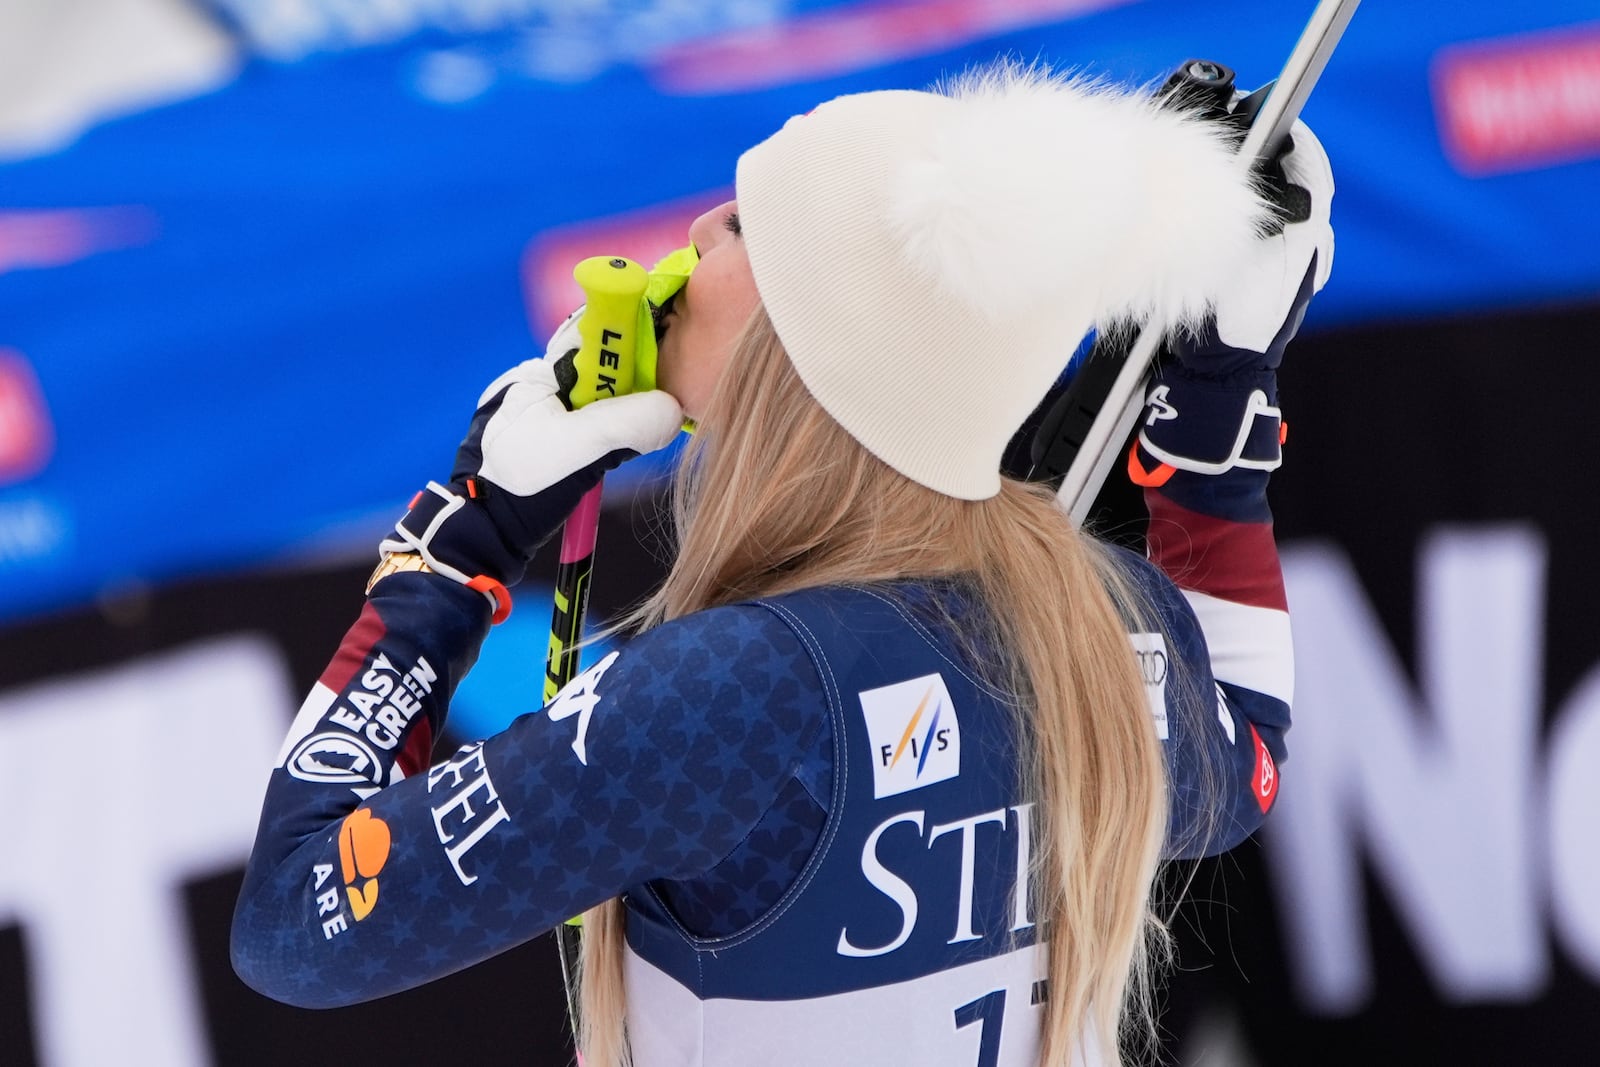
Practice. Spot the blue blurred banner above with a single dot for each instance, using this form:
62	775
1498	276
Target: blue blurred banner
252	281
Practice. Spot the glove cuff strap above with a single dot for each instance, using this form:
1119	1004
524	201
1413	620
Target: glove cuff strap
1206	432
498	595
427	514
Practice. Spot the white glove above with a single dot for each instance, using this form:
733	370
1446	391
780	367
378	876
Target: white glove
523	466
1259	298
530	441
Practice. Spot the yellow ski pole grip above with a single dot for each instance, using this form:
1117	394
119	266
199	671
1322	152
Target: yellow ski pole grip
613	288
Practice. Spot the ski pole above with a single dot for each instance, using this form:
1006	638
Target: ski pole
609	329
1081	437
616	355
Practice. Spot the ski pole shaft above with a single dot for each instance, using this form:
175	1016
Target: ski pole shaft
609	335
1084	465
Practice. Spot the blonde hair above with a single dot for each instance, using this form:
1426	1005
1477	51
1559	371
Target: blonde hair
775	496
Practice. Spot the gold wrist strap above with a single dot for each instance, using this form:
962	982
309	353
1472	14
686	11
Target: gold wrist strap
395	562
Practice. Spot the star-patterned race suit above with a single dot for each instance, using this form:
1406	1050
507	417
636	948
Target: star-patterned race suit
810	803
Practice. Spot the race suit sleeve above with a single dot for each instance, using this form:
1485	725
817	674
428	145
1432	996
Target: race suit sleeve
1211	535
373	872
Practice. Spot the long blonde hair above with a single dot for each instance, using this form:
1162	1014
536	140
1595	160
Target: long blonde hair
775	496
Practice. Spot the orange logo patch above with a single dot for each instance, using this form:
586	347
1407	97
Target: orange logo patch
363	850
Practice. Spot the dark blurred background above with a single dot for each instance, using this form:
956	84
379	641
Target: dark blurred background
257	258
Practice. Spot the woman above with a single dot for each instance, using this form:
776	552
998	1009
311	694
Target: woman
882	779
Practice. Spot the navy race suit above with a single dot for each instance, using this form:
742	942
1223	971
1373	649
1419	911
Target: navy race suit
809	804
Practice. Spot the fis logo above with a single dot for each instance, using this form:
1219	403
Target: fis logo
916	738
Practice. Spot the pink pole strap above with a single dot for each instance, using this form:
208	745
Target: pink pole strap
583	526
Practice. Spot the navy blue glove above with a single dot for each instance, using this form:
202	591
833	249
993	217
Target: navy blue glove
523	466
1213	401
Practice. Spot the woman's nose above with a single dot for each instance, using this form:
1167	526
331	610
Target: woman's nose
707	231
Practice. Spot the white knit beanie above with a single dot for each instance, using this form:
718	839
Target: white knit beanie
931	260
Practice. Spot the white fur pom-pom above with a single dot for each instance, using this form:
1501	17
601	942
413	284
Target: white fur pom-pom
1041	189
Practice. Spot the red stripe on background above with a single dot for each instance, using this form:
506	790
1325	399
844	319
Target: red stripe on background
644	235
853	37
1235	561
56	238
1520	102
353	651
